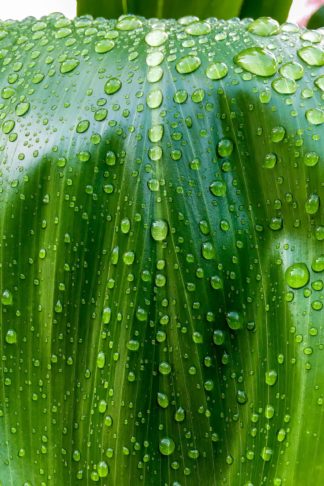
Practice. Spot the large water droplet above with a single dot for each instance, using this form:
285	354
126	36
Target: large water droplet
128	22
297	275
284	85
257	60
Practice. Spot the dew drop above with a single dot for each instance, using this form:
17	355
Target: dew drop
257	60
159	230
216	70
112	86
188	64
69	65
313	56
104	45
315	116
166	446
264	26
297	275
156	38
11	336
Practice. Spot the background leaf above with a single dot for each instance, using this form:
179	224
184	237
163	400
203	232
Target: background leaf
317	19
160	8
161	230
276	9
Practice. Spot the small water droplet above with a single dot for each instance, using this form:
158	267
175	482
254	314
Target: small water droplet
166	446
11	336
315	116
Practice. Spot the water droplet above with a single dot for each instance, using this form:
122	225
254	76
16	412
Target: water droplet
284	85
154	98
8	126
6	298
69	65
313	56
264	26
297	275
180	96
22	108
318	263
102	469
312	204
319	82
278	134
266	454
311	159
292	70
216	70
225	147
166	446
180	415
164	368
162	400
156	38
155	133
241	397
198	28
218	188
110	158
112	86
159	230
133	345
11	336
101	360
269	161
154	74
154	58
234	320
104	45
257	60
218	337
188	64
271	377
128	22
208	251
82	126
315	116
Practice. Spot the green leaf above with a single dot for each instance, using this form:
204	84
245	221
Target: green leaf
160	8
317	19
161	258
277	9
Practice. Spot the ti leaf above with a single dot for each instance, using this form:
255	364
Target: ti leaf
162	252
